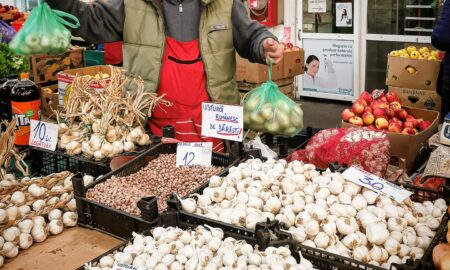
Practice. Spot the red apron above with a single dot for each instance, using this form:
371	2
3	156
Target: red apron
183	82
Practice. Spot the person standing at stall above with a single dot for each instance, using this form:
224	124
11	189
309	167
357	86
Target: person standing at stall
183	49
441	40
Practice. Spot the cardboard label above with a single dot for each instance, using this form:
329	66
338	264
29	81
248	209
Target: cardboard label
43	135
222	121
317	6
376	184
190	154
119	266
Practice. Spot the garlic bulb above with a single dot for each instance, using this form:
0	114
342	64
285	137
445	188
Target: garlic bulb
10	250
38	205
23	210
69	219
25	241
55	214
25	226
39	233
35	190
11	234
18	198
377	233
39	220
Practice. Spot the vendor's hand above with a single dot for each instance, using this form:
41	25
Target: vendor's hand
274	50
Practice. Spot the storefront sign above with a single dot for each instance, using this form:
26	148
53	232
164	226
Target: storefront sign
329	66
344	15
190	154
43	135
222	121
317	6
376	184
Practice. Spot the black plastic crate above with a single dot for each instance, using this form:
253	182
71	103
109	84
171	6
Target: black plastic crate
264	237
45	162
119	223
329	261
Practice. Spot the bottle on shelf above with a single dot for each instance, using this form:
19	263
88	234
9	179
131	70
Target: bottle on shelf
5	97
25	102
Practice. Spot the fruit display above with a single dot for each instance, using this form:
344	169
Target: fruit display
412	52
204	247
8	12
104	124
288	47
383	113
321	210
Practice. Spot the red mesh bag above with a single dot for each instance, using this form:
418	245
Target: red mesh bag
362	147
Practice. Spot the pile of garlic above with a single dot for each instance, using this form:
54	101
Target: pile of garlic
203	248
100	142
321	210
34	208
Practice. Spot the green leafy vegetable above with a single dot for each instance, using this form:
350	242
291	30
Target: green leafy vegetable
11	63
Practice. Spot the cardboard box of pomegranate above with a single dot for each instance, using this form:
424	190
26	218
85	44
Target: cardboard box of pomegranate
255	73
407	146
412	73
418	98
66	77
293	63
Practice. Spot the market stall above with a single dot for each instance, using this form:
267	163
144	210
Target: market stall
91	180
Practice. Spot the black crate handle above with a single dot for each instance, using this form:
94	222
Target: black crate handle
149	208
78	185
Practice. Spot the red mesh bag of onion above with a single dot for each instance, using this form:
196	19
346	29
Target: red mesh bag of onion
362	147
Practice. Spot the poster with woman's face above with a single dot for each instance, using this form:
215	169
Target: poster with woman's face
328	66
344	15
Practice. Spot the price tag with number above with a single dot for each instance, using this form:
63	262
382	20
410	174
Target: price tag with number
43	135
190	154
376	184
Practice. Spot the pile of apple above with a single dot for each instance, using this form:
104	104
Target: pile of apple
411	52
289	47
13	11
383	113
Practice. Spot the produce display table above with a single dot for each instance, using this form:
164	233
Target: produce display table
69	250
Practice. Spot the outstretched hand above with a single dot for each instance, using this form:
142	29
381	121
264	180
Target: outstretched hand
274	50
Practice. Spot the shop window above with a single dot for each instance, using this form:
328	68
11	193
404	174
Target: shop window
330	16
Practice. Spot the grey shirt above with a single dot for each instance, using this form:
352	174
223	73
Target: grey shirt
103	20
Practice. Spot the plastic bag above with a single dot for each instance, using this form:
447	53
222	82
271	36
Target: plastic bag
360	147
256	143
44	32
6	32
266	109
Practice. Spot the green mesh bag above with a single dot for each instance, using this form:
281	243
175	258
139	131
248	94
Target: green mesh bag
266	109
44	32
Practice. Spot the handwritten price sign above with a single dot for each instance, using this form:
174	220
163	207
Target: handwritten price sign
190	154
222	121
376	184
119	266
43	135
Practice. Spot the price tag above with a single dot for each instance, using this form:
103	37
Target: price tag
222	121
119	266
190	154
376	184
43	135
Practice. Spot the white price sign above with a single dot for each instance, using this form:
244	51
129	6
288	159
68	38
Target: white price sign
376	184
119	266
43	135
190	154
222	121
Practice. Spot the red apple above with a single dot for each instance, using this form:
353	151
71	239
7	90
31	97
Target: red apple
368	109
390	113
402	114
424	125
368	118
394	127
395	106
391	97
408	124
372	127
383	99
379	113
379	104
356	120
409	131
362	101
366	96
358	108
413	121
381	123
347	114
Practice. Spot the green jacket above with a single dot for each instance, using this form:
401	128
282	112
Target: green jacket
224	27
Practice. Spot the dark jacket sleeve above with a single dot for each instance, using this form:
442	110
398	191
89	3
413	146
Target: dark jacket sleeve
441	33
248	35
101	21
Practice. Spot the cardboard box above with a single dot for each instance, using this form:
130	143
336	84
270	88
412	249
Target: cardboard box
293	63
425	75
416	98
45	67
243	86
255	73
65	78
49	100
287	89
407	146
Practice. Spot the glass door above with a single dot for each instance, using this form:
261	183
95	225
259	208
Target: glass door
326	31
